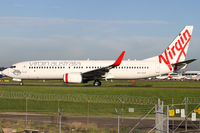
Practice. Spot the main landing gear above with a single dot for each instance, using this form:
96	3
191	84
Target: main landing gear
21	83
97	83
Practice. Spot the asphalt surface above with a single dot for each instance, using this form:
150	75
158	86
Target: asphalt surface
102	122
124	86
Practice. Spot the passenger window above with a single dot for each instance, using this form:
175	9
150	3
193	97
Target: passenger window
13	67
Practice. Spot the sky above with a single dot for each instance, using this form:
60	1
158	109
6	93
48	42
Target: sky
94	29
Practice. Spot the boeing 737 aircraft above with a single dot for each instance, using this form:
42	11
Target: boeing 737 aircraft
79	71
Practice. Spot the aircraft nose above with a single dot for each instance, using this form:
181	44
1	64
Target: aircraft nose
6	72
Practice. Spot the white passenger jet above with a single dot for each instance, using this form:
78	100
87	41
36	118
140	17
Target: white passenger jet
79	71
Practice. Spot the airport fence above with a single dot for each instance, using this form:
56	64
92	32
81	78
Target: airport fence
73	104
79	98
82	104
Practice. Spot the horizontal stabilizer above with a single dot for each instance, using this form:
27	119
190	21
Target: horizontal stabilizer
185	62
182	64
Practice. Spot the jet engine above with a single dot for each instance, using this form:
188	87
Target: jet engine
73	78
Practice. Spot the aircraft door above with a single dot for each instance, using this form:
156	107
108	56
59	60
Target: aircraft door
157	68
24	69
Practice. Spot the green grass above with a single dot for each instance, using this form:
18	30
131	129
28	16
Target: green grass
122	91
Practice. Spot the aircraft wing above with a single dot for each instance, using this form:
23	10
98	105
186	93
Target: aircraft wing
99	73
182	64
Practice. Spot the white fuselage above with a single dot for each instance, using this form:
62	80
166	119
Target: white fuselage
49	69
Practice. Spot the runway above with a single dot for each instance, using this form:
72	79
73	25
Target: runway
91	86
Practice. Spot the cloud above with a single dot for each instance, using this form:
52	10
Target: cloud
117	21
57	21
80	47
29	21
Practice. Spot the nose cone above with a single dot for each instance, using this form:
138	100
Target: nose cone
5	72
11	72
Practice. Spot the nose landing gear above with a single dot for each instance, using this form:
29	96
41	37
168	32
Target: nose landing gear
21	83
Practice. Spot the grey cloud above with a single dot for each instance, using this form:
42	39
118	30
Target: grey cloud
49	21
79	47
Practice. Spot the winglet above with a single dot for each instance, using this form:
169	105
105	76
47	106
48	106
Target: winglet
119	60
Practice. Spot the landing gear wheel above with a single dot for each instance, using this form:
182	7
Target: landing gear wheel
97	83
21	83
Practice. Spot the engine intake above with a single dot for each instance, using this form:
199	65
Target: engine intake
73	78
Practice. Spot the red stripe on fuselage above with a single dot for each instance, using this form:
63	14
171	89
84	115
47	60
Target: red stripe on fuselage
66	78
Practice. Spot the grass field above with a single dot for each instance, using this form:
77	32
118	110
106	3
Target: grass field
100	101
137	88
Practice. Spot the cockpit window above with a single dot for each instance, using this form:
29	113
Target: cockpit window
2	68
13	67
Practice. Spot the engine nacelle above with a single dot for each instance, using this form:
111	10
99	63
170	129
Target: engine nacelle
73	78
